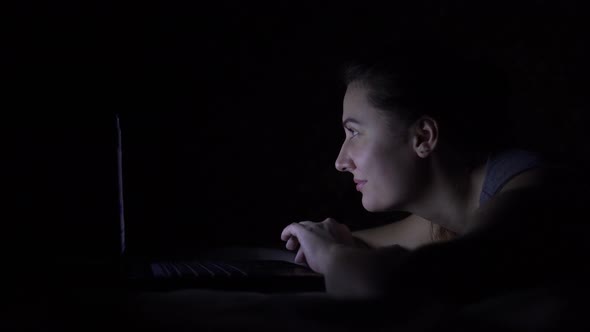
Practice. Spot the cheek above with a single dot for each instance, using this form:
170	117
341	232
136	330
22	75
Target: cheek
395	177
391	181
362	157
387	165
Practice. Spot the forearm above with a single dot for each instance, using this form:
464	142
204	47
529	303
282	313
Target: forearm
411	233
361	272
360	242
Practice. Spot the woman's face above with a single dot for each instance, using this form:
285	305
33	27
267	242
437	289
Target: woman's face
379	154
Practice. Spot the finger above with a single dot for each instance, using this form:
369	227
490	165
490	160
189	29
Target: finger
307	223
300	257
287	233
335	228
293	229
330	221
292	243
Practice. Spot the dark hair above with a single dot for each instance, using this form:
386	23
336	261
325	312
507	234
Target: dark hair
467	95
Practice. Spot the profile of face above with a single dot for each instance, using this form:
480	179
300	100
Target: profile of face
379	152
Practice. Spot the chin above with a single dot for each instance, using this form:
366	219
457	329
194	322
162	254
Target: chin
372	206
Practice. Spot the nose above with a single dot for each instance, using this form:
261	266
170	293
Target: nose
343	162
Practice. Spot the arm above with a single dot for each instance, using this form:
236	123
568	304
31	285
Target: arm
509	245
414	231
410	233
354	272
492	245
349	270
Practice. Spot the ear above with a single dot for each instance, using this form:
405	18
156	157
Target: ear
425	136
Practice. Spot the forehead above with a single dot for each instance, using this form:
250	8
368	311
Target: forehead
356	106
355	97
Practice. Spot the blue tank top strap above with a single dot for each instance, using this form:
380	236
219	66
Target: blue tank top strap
503	166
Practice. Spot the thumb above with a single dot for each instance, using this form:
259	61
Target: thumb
300	257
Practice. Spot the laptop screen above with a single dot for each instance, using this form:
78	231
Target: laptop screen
120	186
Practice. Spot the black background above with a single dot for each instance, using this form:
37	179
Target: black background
231	111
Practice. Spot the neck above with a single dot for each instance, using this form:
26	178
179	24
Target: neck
453	197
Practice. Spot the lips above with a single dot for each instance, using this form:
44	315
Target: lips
359	184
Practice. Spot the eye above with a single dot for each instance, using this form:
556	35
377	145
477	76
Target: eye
352	132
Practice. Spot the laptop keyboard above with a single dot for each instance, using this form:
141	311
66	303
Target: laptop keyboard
215	269
196	269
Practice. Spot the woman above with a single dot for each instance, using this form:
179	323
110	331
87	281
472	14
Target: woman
425	133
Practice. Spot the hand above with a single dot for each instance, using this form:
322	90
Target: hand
314	241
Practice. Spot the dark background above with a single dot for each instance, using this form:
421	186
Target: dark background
231	111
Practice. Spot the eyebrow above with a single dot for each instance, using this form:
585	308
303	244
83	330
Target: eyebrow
350	120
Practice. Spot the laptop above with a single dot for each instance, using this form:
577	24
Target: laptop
238	268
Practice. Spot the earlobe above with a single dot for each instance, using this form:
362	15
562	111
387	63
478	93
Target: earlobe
423	152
